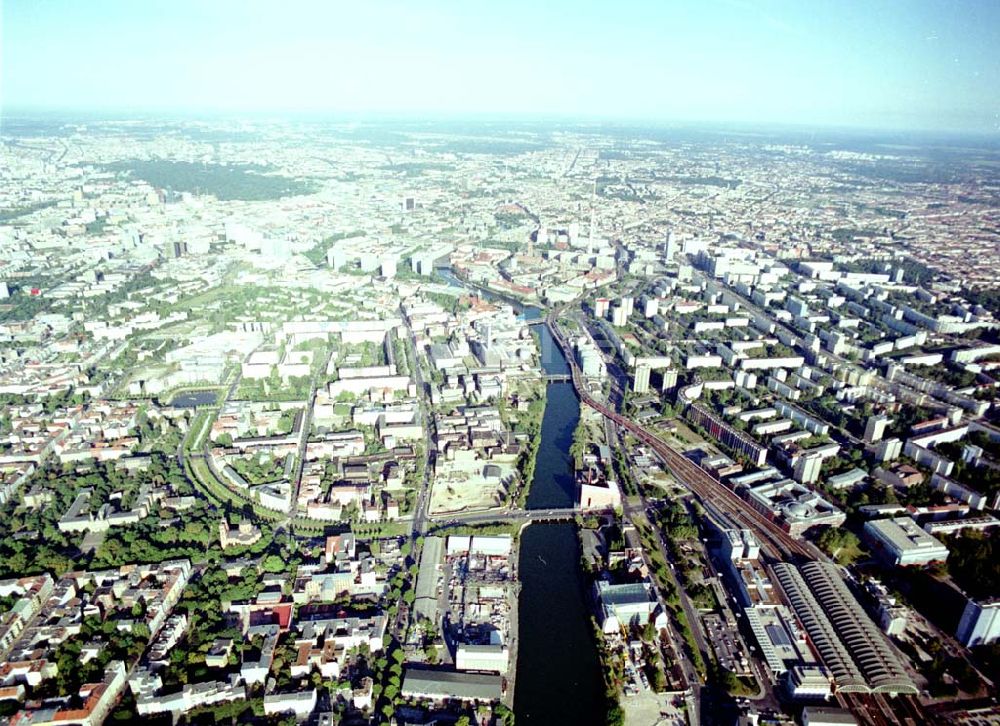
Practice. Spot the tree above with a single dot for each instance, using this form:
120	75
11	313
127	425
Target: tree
659	680
431	653
273	563
580	442
649	631
841	544
505	717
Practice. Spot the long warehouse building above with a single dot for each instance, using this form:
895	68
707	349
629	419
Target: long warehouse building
850	644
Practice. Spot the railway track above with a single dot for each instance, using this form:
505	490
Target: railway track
882	710
701	483
875	708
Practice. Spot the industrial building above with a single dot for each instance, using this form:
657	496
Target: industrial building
809	682
482	545
850	644
622	605
781	639
782	643
815	716
451	686
492	658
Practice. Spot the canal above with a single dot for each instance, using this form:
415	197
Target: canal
558	673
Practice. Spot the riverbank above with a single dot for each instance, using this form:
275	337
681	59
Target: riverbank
506	296
611	659
526	422
557	675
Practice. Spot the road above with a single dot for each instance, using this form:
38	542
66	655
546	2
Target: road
184	455
691	675
422	505
710	491
637	514
203	454
304	428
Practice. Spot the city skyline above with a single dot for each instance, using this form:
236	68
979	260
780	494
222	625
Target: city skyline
880	66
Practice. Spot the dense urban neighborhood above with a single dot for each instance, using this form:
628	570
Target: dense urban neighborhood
476	424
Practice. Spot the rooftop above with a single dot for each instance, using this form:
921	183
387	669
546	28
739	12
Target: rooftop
450	684
624	594
903	534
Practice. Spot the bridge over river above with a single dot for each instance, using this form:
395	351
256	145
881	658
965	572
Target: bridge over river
557	378
565	514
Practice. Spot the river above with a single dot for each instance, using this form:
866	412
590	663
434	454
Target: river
558	672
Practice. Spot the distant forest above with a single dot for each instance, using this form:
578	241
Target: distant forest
244	182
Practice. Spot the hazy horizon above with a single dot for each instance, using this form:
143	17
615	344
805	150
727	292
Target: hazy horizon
514	124
878	66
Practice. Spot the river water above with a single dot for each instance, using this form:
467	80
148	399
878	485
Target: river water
558	678
558	673
193	399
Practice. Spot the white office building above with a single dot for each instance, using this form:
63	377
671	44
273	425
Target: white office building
980	623
903	542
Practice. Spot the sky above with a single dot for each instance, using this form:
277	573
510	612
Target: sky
893	64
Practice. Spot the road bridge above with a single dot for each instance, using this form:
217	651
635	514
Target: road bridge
558	377
564	514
